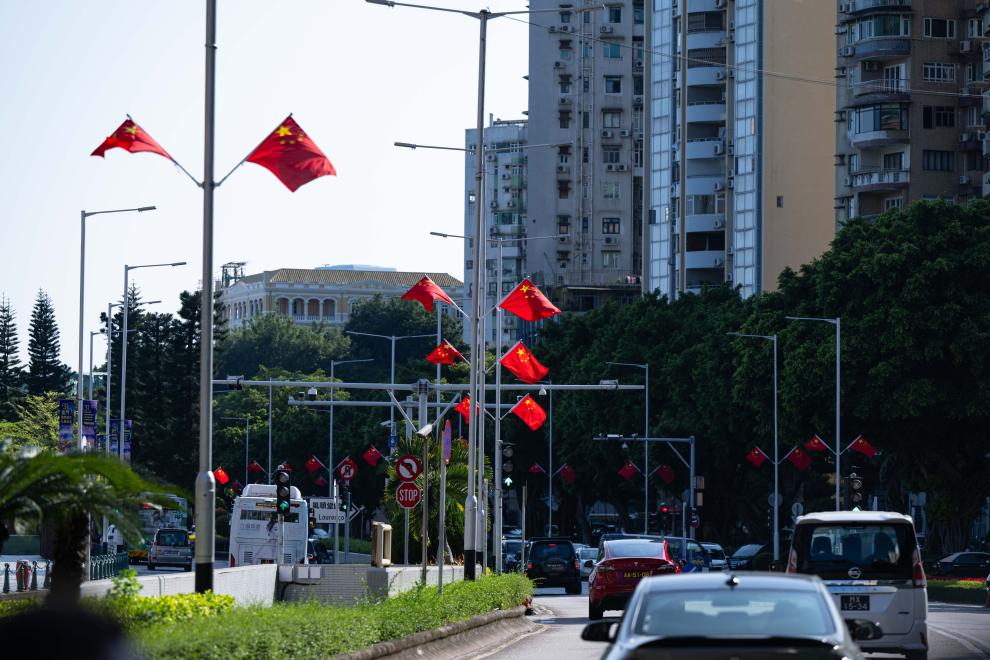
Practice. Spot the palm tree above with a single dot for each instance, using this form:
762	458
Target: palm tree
67	489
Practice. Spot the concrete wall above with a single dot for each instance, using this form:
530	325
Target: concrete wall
249	585
349	584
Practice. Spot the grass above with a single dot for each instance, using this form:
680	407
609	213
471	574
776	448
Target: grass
313	630
956	590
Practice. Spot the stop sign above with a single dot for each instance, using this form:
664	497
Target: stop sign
407	495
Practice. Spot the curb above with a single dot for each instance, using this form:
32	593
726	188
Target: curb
394	646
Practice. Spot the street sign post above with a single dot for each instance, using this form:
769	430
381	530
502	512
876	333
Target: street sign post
347	469
408	495
326	511
408	467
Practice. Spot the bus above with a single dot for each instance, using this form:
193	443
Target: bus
254	534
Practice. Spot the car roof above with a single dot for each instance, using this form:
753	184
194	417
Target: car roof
853	517
744	580
709	544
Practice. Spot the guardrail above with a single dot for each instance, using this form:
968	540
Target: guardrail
102	567
25	576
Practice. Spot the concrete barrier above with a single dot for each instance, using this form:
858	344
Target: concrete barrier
249	585
346	584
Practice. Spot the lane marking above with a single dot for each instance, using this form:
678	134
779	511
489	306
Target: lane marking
970	643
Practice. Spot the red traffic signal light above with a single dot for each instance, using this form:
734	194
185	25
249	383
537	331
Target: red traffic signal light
664	509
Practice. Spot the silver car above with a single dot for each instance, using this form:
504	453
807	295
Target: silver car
171	547
747	616
871	563
587	557
717	555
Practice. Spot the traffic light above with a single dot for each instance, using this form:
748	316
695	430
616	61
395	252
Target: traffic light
664	509
283	483
345	501
854	489
507	466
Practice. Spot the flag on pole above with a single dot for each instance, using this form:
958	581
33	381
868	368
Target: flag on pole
221	476
530	412
321	482
799	459
255	467
528	303
426	292
568	474
863	447
287	466
66	417
464	407
445	353
521	362
816	444
756	456
666	473
291	156
371	456
628	471
313	464
536	468
131	138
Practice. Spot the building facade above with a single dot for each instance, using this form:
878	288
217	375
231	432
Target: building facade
741	188
325	295
909	109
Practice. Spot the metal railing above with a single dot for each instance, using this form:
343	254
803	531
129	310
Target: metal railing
102	567
26	576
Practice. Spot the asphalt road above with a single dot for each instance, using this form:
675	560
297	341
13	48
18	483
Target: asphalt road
956	632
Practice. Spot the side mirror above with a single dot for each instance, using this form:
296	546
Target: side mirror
862	629
600	631
589	564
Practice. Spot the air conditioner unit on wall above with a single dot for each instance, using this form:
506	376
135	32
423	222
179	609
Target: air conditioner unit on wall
605	29
558	65
610	167
624	132
620	167
719	223
847	51
552	28
609	240
607	134
493	204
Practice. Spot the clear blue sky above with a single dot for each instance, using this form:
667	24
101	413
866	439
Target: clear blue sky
357	76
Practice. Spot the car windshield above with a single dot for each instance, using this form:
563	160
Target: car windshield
748	551
635	548
512	547
674	547
543	551
742	612
715	551
174	539
876	551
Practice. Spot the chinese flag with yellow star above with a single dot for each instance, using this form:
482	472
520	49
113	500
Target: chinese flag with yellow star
445	353
528	303
291	156
132	138
530	412
521	362
464	407
426	292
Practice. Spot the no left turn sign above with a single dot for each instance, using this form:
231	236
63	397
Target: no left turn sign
347	469
408	467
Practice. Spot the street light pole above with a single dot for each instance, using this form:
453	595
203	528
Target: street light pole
837	322
646	445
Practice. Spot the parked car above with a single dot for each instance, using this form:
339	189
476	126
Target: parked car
587	557
622	563
553	563
747	616
717	560
742	559
871	564
171	547
695	560
963	564
511	554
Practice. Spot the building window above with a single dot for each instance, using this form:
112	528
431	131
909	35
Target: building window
585	119
565	119
468	265
565	86
611	155
638	14
563	190
613	84
615	14
893	161
974	118
611	119
638	85
780	201
885	117
610	190
887	25
974	28
940	28
938	116
892	203
563	224
584	225
565	17
938	161
939	72
610	260
612	50
610	225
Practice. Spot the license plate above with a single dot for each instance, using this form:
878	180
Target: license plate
637	574
854	603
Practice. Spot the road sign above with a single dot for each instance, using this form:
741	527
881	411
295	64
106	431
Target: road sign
408	467
347	469
448	435
326	510
393	441
797	509
407	495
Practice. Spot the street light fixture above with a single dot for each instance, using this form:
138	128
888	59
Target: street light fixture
82	299
646	432
125	312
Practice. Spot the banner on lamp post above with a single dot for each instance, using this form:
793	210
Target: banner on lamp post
101	443
127	440
89	423
66	415
115	437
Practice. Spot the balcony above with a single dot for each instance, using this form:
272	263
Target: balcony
878	180
700	6
563	172
701	185
704	259
703	76
704	112
878	49
854	7
879	138
971	140
701	148
704	222
710	38
879	91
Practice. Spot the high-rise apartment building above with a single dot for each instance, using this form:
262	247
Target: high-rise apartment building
741	156
909	112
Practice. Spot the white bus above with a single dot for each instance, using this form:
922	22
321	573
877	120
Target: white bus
254	536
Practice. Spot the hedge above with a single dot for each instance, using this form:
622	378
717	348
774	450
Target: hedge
312	630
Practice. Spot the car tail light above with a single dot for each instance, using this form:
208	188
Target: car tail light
918	576
577	564
529	566
792	561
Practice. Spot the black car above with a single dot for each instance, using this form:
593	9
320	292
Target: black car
553	563
742	559
963	564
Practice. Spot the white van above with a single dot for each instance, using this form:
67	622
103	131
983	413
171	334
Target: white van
871	564
254	534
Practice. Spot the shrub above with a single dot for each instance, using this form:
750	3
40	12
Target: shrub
124	605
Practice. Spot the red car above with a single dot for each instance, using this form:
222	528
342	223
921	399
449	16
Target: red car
622	563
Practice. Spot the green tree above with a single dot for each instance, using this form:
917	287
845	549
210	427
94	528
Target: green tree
34	422
46	373
278	342
11	373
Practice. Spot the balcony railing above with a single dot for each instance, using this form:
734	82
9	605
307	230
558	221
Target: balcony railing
854	6
881	86
879	177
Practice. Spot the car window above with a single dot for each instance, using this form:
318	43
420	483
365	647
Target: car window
635	548
513	547
543	551
878	551
747	551
588	553
174	539
739	612
715	552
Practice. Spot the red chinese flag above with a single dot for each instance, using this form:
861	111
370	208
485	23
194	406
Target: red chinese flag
756	456
530	412
628	471
536	468
521	362
666	473
131	138
445	353
863	447
464	407
799	459
221	476
312	464
816	444
255	467
528	303
568	474
291	156
426	292
321	482
371	455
